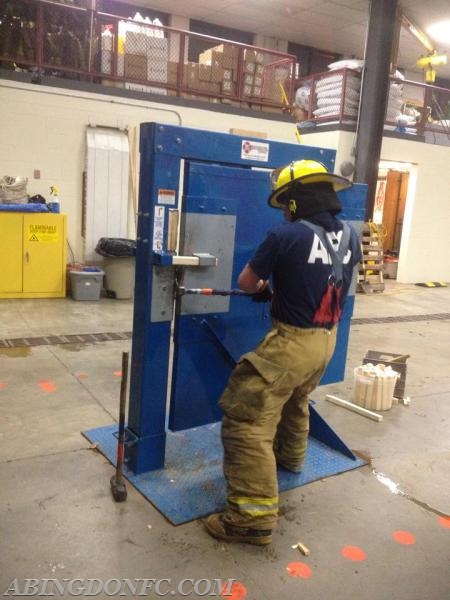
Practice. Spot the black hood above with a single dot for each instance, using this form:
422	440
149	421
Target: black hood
311	199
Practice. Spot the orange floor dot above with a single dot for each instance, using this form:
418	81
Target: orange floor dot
47	386
353	553
82	375
299	569
404	537
238	591
3	385
118	373
445	522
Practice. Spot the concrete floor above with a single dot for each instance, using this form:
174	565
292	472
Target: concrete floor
58	519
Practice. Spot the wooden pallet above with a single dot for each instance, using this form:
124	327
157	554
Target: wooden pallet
370	274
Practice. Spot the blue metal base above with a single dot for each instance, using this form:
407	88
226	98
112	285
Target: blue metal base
192	484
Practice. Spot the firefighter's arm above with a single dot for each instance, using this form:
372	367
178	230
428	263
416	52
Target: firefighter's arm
248	281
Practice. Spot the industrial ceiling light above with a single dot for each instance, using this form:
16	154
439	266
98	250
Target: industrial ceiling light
440	32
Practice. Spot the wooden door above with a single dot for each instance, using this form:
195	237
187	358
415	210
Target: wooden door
394	209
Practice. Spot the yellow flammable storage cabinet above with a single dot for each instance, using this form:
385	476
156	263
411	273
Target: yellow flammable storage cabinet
32	255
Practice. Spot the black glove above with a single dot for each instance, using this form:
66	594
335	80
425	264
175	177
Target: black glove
265	295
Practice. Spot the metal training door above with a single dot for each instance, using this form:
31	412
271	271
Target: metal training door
225	214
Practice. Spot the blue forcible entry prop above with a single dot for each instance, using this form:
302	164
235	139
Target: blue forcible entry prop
202	212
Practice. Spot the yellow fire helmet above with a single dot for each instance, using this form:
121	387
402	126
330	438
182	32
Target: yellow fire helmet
305	172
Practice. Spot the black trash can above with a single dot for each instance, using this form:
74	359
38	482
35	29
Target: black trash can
119	266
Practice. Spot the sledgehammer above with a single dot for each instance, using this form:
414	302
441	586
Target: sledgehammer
118	487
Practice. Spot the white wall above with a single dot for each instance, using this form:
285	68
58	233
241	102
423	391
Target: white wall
424	254
44	128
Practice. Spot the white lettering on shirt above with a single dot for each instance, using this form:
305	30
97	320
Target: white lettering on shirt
318	251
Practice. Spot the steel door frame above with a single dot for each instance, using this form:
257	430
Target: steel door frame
163	148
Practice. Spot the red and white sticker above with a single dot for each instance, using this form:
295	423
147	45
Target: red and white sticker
166	197
251	150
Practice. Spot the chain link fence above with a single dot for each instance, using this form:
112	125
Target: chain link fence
138	54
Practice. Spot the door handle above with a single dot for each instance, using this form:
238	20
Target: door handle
27	257
198	259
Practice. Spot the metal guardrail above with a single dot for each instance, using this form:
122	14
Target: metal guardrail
71	42
412	108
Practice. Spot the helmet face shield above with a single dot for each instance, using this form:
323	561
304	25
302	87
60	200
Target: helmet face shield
274	178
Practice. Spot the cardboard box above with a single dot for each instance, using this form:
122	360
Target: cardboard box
229	87
211	57
216	73
135	43
249	67
257	80
259	69
172	78
172	72
139	87
226	56
249	55
257	91
135	66
259	57
204	72
157	46
190	75
209	86
112	83
228	74
248	79
230	55
157	73
247	90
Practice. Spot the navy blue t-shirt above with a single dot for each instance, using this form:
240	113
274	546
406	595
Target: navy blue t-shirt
300	267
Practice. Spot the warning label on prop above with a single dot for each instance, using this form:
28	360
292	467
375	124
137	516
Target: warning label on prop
158	228
42	233
251	150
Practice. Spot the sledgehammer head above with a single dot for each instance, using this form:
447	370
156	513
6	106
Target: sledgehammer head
118	489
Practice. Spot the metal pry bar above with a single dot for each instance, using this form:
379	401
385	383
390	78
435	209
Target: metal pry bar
181	291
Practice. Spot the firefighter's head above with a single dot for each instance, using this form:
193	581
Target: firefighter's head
305	187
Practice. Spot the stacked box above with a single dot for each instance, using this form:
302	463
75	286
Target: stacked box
224	55
191	75
135	66
144	57
253	73
172	76
106	51
213	60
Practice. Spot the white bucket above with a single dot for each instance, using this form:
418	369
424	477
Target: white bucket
374	386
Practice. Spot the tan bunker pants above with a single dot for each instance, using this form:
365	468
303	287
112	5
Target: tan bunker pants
266	418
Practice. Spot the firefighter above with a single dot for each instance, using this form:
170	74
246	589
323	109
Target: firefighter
310	260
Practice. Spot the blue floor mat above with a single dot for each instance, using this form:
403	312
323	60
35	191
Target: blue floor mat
192	485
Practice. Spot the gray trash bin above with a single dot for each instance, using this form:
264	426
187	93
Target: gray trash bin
86	285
